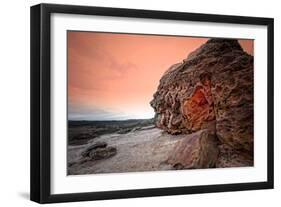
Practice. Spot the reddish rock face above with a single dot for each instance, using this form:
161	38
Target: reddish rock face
199	109
212	89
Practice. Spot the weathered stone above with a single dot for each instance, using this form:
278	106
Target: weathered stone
102	153
197	151
230	157
211	89
93	147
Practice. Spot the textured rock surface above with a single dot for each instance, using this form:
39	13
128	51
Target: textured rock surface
141	150
148	149
98	151
198	151
95	146
212	89
229	157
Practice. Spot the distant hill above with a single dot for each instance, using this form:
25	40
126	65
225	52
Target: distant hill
74	123
80	132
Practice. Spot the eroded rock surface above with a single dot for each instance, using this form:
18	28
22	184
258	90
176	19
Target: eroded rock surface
229	157
95	146
98	151
198	151
212	89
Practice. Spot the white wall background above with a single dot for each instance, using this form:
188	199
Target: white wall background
14	102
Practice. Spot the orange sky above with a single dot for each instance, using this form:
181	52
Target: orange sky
113	76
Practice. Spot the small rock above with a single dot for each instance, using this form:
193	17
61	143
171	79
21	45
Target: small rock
93	147
102	153
98	151
124	131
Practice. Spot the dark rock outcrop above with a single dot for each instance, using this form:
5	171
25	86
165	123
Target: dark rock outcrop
212	89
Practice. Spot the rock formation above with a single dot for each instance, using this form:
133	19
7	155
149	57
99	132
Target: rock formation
198	151
99	151
211	90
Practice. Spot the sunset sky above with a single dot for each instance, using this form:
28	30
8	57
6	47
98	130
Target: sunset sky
113	76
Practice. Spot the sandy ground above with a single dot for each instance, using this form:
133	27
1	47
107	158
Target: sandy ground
141	150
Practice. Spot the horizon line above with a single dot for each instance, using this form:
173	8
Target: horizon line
110	119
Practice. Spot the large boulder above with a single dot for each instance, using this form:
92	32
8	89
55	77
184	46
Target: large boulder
212	89
196	151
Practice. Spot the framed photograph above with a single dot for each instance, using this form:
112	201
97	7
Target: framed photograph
133	103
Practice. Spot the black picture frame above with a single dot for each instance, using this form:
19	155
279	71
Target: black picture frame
41	98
